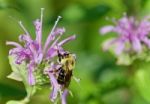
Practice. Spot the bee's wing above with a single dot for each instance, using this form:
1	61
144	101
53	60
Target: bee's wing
68	78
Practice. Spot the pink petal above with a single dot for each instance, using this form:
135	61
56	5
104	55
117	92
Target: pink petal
136	45
120	45
13	44
106	29
31	78
50	37
146	41
63	96
108	43
55	87
67	40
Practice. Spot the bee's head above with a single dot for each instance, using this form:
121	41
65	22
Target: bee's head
71	61
67	59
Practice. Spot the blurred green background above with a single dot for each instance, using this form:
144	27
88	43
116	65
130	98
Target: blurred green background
102	81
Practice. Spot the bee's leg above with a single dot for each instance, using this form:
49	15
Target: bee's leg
76	79
60	92
54	71
70	92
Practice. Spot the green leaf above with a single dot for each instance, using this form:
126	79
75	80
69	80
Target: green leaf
20	74
14	76
12	64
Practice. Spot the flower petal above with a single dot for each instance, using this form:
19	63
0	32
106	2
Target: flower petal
55	87
136	45
13	44
25	38
106	29
31	78
108	43
38	27
63	96
51	52
50	37
120	45
146	41
58	31
67	40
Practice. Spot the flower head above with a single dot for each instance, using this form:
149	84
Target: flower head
34	53
132	35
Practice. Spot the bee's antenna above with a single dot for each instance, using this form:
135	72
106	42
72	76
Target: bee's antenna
77	80
70	92
59	54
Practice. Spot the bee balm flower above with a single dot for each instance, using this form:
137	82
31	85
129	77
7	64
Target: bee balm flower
35	53
132	35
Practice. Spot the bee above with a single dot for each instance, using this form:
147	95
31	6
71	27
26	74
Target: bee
65	72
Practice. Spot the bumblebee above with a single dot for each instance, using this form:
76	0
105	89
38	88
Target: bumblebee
67	62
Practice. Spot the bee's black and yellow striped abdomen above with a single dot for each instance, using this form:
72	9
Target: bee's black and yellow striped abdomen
61	76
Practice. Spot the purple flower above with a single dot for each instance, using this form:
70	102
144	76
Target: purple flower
33	53
132	35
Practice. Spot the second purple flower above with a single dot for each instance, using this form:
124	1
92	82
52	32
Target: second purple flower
132	35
